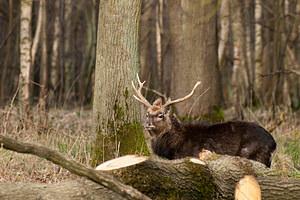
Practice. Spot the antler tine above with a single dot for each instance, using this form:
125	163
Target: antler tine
169	102
140	97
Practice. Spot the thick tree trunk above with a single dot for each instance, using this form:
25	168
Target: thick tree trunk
116	114
192	25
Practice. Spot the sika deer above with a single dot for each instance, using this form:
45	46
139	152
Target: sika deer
174	140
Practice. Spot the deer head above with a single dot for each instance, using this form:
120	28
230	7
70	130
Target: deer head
158	120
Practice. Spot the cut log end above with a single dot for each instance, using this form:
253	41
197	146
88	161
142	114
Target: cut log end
121	162
197	161
247	188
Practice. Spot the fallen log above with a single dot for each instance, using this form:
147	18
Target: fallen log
191	178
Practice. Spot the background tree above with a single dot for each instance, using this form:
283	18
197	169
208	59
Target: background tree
192	28
6	62
25	55
116	115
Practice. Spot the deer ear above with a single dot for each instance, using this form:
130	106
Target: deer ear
158	102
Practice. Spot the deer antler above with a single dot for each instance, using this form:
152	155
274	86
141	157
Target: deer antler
140	97
169	102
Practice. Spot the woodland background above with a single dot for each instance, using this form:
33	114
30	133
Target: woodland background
253	73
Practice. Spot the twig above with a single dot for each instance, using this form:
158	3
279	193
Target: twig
197	100
288	71
73	166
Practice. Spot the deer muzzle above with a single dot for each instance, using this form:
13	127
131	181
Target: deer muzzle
149	126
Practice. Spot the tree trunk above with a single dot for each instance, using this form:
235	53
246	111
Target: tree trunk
37	34
116	114
192	25
148	55
258	48
224	32
54	75
68	73
25	55
43	68
7	56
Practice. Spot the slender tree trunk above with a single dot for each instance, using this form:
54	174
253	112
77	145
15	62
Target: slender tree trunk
67	49
116	115
279	52
25	55
8	55
192	27
54	75
224	32
37	35
258	48
44	67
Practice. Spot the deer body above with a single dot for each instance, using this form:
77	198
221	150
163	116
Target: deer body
234	138
174	140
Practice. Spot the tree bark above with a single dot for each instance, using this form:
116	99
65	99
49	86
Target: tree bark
71	190
68	73
25	55
54	74
192	25
258	48
116	114
7	56
43	68
37	34
224	32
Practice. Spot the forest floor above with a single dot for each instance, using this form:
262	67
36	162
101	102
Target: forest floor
69	132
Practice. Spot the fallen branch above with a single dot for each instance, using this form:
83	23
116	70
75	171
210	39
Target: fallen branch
73	166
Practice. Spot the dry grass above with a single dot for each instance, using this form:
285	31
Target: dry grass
69	131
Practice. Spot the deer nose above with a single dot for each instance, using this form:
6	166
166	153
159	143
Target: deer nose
149	126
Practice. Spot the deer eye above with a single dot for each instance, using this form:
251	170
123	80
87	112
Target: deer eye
147	115
160	116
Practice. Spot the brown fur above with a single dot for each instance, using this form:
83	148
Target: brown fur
173	140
